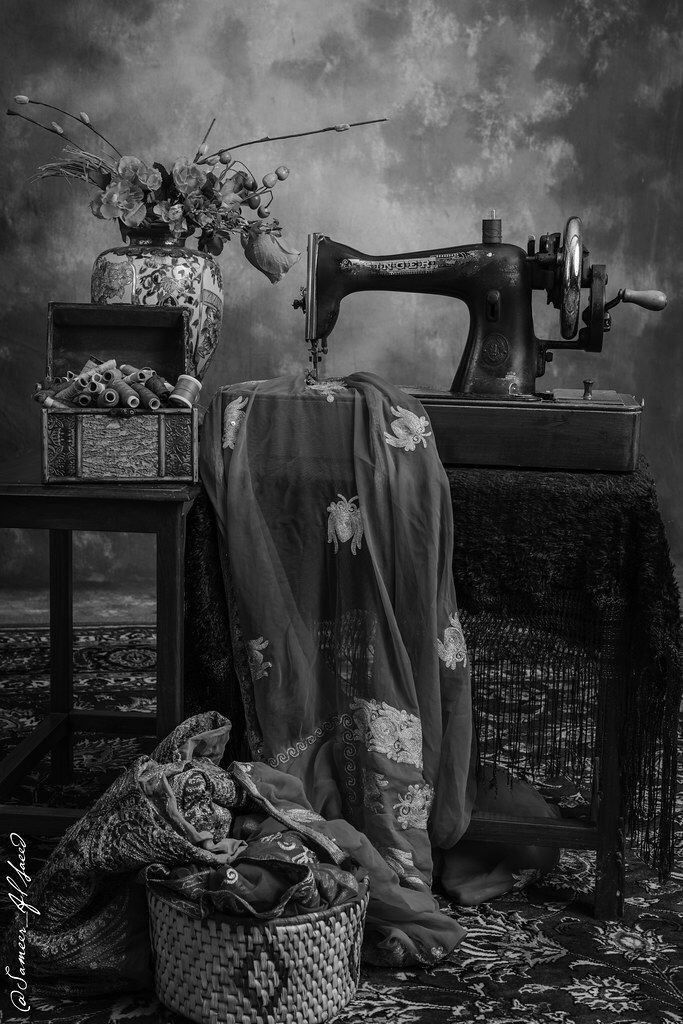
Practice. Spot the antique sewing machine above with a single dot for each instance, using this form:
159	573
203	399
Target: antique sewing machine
493	414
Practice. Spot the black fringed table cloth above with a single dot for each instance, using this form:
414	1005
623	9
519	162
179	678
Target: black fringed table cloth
570	610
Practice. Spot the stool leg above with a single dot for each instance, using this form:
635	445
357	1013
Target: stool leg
170	621
61	647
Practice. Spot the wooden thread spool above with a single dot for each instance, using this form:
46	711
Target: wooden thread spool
96	387
147	398
127	369
70	375
186	391
108	398
126	394
84	398
139	377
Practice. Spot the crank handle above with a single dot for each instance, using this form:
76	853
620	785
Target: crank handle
647	299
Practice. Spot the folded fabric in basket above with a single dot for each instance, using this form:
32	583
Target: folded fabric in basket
243	840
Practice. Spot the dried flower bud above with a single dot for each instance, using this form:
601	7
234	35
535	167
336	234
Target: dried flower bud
21	99
203	148
268	253
342	127
225	156
84	117
57	128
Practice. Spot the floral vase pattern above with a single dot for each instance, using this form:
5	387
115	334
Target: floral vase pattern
154	269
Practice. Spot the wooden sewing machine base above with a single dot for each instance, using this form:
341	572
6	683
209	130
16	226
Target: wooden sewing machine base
559	431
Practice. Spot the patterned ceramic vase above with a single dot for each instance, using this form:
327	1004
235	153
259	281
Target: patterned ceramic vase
156	269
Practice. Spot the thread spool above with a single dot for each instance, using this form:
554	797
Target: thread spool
159	386
42	395
70	375
108	364
139	377
186	391
90	366
110	375
71	392
96	387
127	396
84	398
52	403
127	369
107	399
47	384
147	399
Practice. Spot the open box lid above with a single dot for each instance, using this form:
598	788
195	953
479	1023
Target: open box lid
155	336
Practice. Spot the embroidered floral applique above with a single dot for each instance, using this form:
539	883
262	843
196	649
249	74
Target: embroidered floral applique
412	809
374	783
303	814
259	667
409	429
389	731
232	420
328	388
345	522
453	648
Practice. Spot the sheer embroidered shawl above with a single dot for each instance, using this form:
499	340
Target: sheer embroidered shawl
336	524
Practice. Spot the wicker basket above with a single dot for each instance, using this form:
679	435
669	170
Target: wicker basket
239	970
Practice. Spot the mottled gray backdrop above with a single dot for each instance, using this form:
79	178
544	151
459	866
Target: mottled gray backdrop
538	108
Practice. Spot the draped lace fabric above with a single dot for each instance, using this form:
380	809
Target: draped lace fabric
335	518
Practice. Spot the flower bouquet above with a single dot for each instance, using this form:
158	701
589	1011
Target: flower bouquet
158	207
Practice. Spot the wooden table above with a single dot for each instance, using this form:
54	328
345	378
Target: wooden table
158	509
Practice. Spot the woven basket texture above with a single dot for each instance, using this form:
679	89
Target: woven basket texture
230	970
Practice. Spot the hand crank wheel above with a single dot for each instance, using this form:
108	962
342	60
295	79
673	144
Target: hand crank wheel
570	278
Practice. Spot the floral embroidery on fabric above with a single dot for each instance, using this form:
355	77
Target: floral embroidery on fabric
453	649
345	522
373	785
259	667
413	807
328	388
409	429
402	863
232	420
304	814
396	734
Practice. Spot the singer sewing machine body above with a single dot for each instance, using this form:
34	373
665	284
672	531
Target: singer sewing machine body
492	414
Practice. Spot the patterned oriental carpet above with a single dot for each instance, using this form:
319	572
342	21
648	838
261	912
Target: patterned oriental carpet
535	956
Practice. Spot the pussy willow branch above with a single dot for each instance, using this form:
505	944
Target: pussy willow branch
39	103
294	135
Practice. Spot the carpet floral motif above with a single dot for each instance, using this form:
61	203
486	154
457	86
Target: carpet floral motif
534	956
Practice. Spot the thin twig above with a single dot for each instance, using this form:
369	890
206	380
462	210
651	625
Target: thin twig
208	130
295	135
39	103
